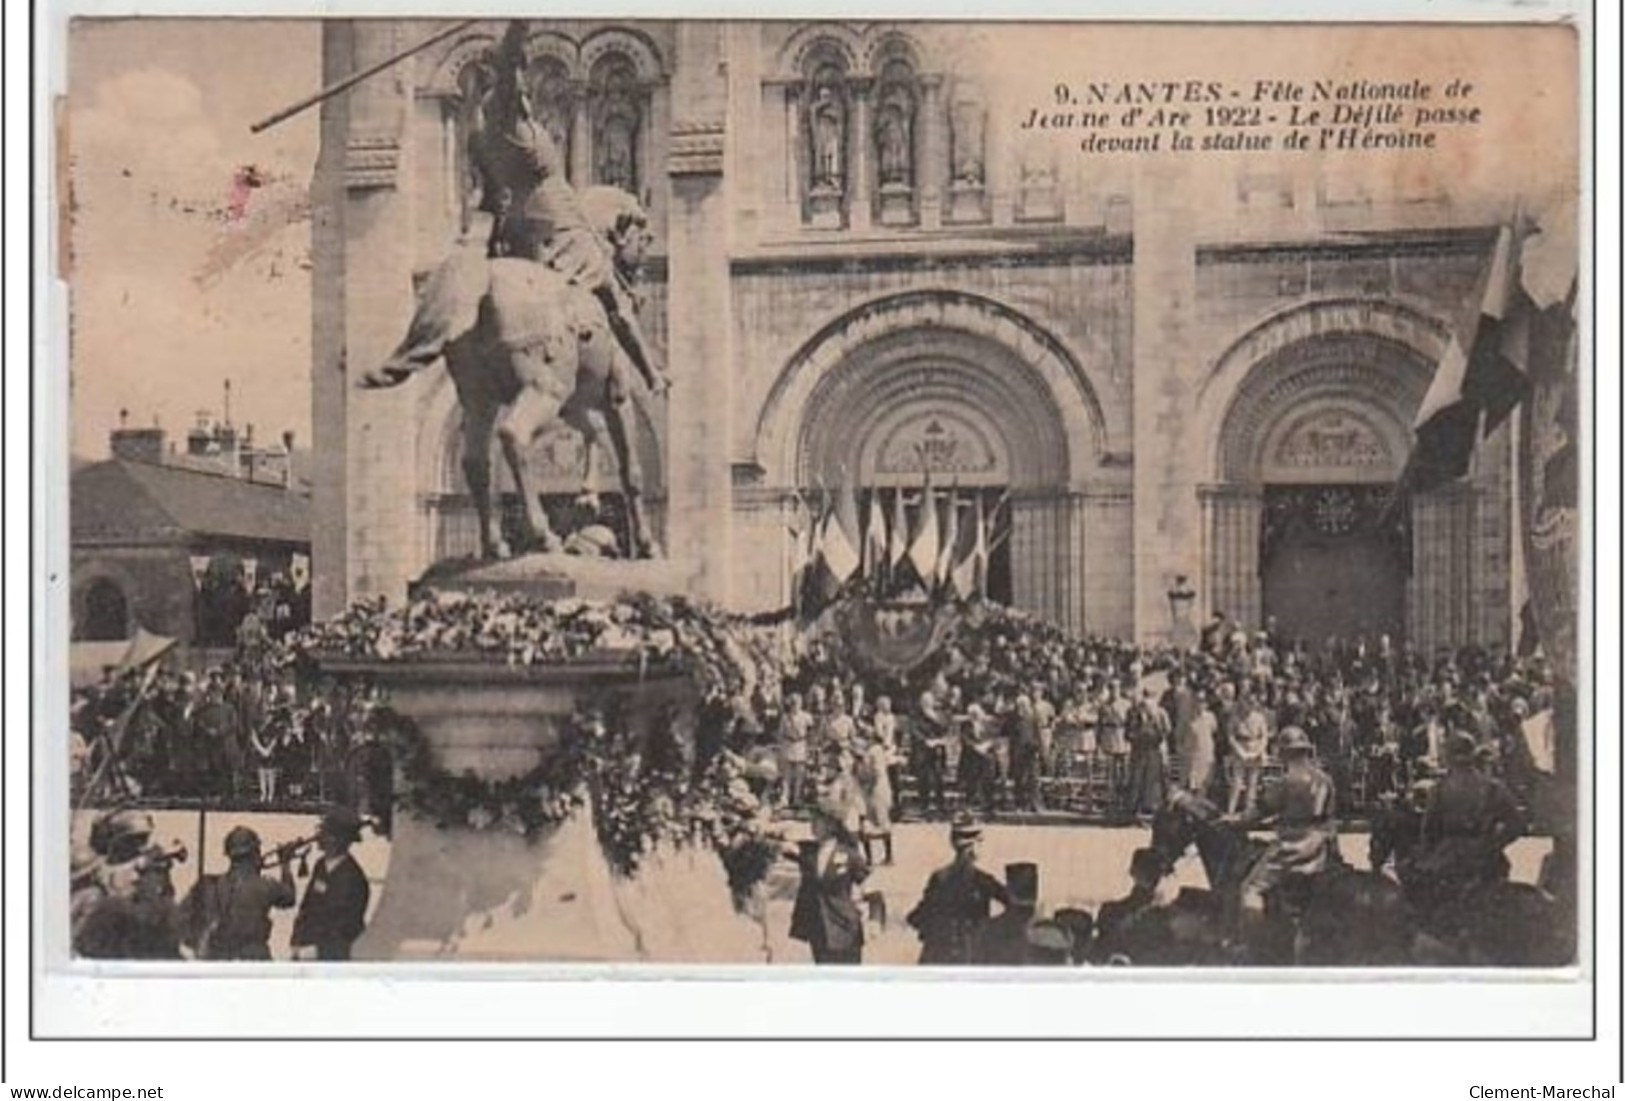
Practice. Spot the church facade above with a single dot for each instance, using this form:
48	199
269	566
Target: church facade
1153	380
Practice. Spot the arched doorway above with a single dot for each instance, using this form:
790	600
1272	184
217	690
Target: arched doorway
105	613
967	393
1304	532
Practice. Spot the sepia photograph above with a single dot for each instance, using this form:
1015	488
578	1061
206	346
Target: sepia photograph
890	495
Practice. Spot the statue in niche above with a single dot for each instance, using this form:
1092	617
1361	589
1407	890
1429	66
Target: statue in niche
966	123
894	127
617	120
616	161
828	141
896	162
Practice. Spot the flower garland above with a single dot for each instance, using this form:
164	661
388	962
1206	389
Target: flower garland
645	790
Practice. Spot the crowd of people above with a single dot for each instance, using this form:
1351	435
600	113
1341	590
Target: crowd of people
1010	717
258	729
1016	716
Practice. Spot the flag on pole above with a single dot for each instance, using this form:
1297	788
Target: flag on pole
946	560
927	544
876	549
840	543
798	549
1479	381
970	576
200	568
898	550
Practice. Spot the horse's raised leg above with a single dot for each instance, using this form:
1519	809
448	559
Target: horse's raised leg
517	424
478	421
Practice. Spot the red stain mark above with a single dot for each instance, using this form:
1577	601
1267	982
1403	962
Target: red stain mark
243	183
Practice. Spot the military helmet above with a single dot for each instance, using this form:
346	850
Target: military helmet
124	831
1294	740
241	841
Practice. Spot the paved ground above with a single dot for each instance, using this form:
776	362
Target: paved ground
1078	866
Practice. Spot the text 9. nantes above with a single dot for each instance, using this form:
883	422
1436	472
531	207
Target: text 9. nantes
1266	115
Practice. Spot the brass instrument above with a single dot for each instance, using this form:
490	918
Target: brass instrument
164	859
299	848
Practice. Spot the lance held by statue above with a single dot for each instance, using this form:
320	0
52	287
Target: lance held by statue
532	326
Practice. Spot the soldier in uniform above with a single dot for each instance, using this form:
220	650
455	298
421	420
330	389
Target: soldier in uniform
1471	818
957	901
334	909
1305	827
228	917
537	215
123	905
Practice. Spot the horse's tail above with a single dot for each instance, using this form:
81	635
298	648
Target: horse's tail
448	308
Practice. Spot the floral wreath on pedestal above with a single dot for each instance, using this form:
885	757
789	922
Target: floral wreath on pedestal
645	791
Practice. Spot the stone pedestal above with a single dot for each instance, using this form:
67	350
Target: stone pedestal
896	205
455	892
557	576
824	209
967	202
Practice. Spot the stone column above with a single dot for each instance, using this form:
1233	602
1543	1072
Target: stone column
699	347
1107	551
1167	521
580	135
1228	580
329	392
372	249
931	173
860	189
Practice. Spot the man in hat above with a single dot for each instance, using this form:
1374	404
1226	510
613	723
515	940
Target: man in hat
124	902
826	915
334	909
228	917
957	901
1117	917
1471	818
1002	941
1305	829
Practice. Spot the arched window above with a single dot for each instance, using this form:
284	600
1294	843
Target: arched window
967	154
826	118
106	613
617	130
894	125
552	97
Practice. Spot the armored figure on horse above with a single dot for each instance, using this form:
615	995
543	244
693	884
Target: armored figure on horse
534	326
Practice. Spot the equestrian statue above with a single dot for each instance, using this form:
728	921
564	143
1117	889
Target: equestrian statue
535	328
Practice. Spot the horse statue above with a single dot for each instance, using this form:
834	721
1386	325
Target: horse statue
1343	917
528	350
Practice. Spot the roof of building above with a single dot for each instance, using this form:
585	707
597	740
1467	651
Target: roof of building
123	501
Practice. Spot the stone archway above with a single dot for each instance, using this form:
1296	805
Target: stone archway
1313	430
966	390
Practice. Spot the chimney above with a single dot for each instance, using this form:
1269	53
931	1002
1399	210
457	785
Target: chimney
136	445
287	460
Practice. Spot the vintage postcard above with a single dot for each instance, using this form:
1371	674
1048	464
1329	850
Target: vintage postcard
911	495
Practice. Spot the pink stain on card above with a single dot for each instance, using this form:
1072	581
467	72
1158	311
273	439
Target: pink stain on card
243	183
